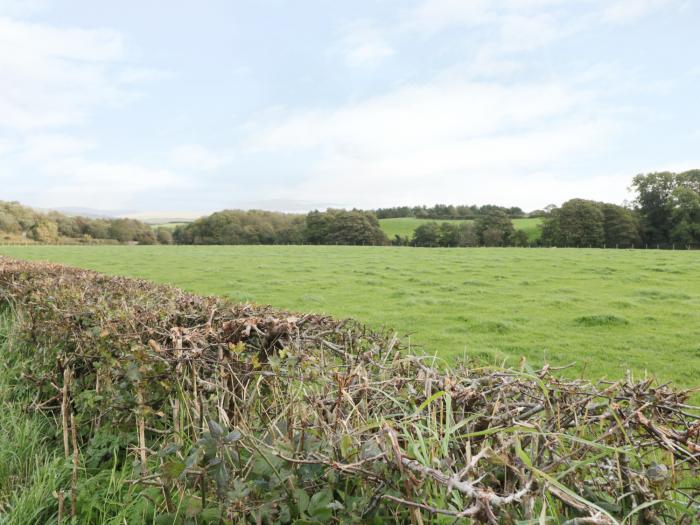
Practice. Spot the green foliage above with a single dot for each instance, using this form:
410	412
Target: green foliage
131	230
164	235
427	234
495	228
620	225
44	231
577	223
52	227
583	223
445	212
668	206
353	227
404	227
240	227
448	234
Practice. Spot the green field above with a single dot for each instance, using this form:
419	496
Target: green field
405	226
605	310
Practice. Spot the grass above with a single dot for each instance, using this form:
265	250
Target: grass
405	227
605	310
32	464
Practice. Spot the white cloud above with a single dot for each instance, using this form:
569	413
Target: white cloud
362	45
52	77
51	80
197	158
622	11
434	15
413	115
75	181
469	141
42	147
21	7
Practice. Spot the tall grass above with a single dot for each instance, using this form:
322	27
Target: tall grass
33	470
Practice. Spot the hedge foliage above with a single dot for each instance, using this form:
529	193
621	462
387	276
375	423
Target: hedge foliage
245	414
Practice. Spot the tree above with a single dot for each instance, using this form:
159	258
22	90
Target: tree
495	228
44	231
427	234
466	235
665	203
164	235
457	234
145	237
685	216
97	229
654	204
620	225
8	223
124	230
578	222
521	239
355	227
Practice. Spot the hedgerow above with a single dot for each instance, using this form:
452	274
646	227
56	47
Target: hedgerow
246	414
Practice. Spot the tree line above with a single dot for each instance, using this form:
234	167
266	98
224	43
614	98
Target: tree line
493	228
447	212
666	211
21	222
333	226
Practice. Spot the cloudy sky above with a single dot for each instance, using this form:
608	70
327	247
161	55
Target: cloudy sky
290	105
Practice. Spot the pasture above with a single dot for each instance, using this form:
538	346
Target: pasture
604	310
405	226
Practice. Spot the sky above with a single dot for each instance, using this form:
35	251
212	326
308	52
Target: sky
155	105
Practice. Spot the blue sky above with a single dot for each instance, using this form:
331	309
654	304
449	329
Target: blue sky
197	106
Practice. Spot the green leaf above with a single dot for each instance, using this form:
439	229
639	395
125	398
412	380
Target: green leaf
193	507
168	449
215	429
302	499
173	469
318	506
233	436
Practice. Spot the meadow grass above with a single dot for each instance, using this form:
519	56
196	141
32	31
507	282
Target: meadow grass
405	226
604	310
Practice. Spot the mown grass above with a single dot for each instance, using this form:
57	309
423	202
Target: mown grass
604	310
405	226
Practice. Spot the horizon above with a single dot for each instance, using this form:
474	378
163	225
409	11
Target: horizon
166	106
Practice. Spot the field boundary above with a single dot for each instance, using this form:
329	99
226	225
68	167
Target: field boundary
231	410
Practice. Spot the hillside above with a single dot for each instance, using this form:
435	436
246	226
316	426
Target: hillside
405	226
